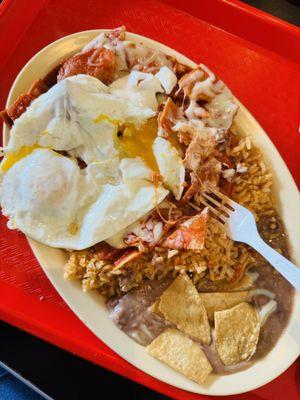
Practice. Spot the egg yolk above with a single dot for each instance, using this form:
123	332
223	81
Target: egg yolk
137	141
13	157
132	141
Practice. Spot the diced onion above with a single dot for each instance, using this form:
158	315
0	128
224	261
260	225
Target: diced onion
263	292
253	275
266	311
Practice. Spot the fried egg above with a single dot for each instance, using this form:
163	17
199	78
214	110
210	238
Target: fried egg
51	200
113	130
79	114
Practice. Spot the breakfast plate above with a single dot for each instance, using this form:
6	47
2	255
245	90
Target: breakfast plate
90	307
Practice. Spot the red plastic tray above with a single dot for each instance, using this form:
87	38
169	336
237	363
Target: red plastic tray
256	54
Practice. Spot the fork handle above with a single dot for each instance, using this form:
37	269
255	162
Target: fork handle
289	270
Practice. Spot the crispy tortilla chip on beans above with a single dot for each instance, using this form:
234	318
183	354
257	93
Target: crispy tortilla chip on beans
191	234
206	285
97	62
237	332
155	308
221	301
182	354
181	304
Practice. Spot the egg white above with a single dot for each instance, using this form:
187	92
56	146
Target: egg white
47	195
51	200
79	114
133	169
170	166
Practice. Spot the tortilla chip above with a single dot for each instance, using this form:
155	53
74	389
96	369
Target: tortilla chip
206	285
210	171
155	308
221	301
167	118
182	354
190	83
181	304
237	332
201	146
244	283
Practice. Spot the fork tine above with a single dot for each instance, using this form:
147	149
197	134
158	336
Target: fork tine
220	217
222	196
213	210
194	206
220	206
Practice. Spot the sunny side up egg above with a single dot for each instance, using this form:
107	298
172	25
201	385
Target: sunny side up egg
114	131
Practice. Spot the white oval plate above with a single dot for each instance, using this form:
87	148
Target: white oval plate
90	307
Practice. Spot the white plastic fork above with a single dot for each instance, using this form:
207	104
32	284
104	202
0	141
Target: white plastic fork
240	226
